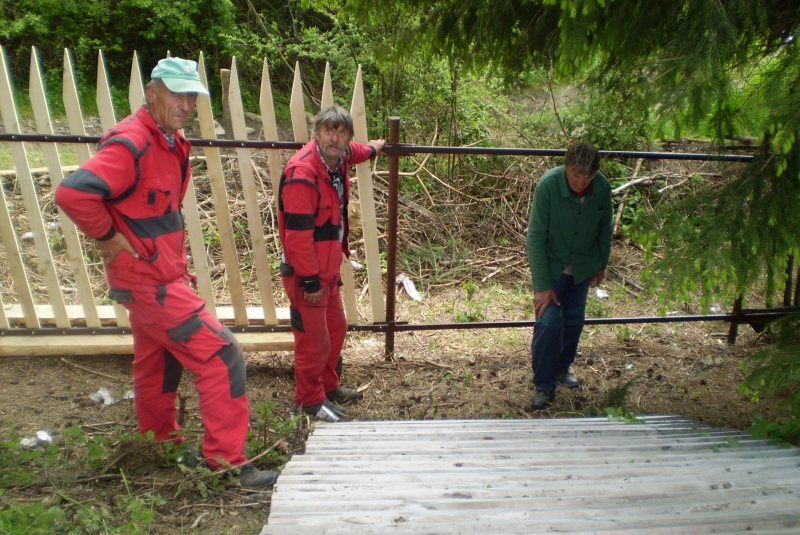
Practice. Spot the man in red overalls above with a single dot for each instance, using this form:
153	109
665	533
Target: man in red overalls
128	197
312	221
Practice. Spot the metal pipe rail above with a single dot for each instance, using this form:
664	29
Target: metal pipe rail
750	317
398	149
394	149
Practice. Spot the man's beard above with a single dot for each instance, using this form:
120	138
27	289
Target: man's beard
340	148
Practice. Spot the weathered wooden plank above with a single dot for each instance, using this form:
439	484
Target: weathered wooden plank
546	519
30	199
119	344
366	196
394	481
578	479
219	194
641	512
250	194
75	259
460	501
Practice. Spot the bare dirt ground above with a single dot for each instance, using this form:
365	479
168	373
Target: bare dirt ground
674	368
661	368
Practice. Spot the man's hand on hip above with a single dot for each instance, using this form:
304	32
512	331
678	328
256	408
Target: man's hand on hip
316	297
542	300
110	248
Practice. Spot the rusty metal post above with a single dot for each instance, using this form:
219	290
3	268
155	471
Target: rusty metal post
733	330
391	235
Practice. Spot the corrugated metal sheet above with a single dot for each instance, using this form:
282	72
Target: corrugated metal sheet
665	475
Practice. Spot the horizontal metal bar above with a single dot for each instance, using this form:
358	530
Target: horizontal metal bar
407	150
400	149
751	316
227	143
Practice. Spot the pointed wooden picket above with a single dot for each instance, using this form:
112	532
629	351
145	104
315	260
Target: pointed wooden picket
41	115
10	244
105	105
136	87
105	108
72	106
216	179
30	199
298	108
327	89
366	195
270	126
257	242
346	269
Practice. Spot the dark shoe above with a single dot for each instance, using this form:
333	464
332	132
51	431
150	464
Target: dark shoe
567	380
251	477
344	395
541	400
191	458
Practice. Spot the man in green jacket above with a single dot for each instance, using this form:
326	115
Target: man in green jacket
568	244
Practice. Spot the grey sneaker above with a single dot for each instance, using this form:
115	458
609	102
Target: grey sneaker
542	399
251	477
324	411
567	380
344	395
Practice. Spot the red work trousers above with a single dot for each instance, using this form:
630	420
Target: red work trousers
172	330
319	330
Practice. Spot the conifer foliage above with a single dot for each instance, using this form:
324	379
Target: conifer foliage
722	69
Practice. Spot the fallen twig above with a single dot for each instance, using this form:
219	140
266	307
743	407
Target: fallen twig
65	361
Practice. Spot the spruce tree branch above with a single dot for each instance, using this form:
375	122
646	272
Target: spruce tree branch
553	99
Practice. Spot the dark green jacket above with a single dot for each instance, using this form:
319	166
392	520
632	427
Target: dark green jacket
563	231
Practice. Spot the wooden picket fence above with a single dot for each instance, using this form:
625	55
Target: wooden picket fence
35	302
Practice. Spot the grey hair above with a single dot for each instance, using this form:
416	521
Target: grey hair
334	116
584	155
156	83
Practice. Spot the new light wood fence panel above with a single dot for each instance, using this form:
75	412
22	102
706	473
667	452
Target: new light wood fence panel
41	113
20	307
25	181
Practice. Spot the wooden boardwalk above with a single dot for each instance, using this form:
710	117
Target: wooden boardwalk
665	475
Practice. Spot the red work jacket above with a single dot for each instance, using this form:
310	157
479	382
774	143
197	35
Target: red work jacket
309	212
134	184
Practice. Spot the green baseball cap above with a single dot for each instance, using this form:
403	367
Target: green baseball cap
179	75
